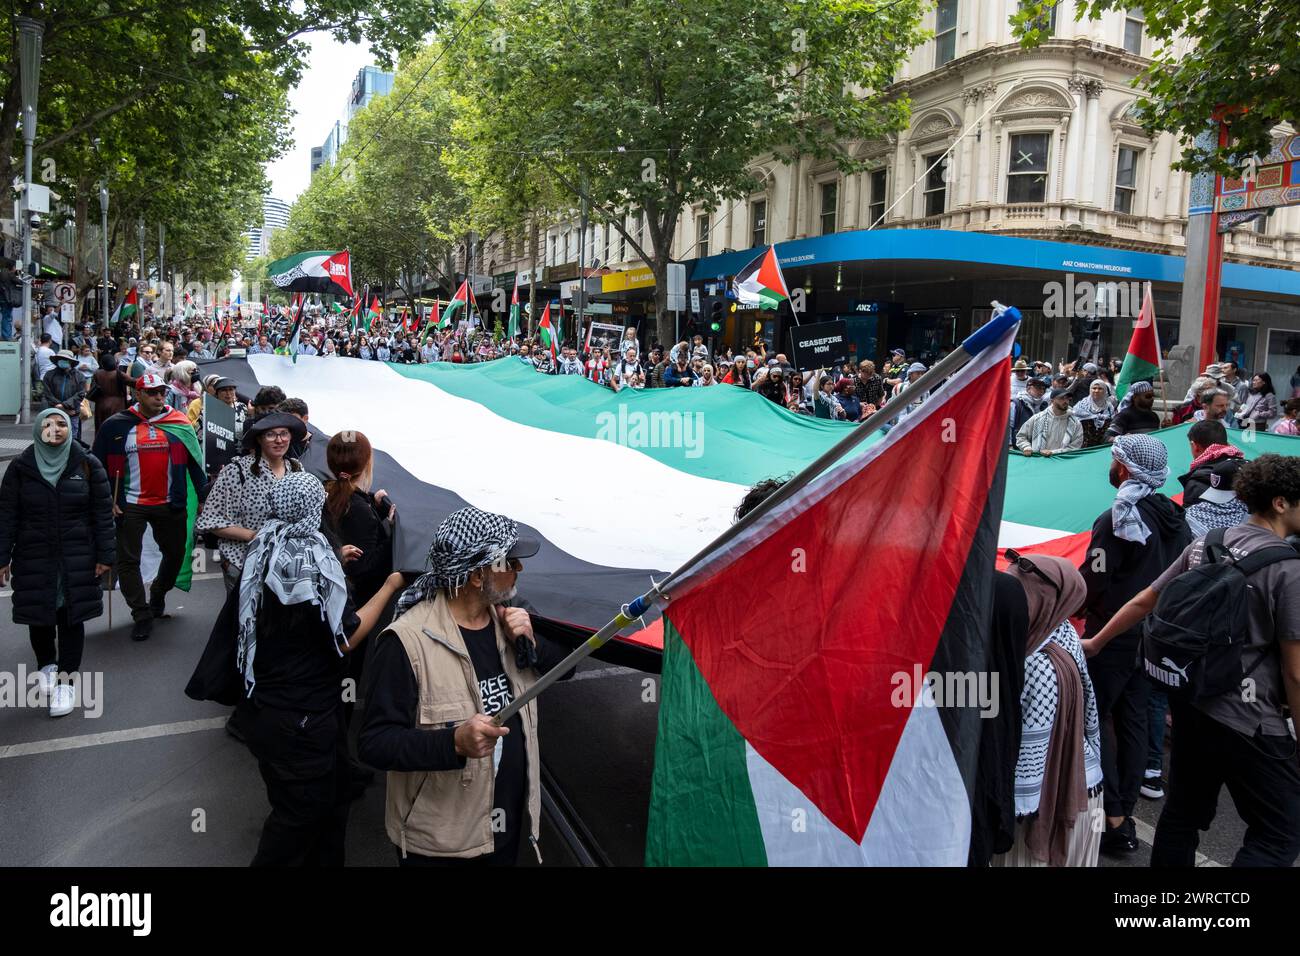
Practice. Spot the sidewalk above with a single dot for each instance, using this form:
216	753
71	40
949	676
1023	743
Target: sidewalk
14	439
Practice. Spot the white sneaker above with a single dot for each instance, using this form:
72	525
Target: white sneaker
62	699
45	679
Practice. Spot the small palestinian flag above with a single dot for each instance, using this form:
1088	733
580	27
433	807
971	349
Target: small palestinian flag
1142	363
760	285
372	313
463	297
547	330
513	328
127	308
434	322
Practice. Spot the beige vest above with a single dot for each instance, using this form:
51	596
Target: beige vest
449	812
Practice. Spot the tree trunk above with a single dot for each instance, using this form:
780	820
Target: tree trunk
9	123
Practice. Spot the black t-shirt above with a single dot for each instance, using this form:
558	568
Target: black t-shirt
296	662
1135	421
511	775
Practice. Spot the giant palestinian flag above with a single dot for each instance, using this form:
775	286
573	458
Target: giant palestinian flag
571	460
328	272
761	284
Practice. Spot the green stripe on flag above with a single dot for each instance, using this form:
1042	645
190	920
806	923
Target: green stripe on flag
1133	370
702	810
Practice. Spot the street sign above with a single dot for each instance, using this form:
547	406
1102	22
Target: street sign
65	292
695	301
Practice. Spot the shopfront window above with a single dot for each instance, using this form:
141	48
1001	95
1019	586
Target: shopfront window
1283	361
1027	169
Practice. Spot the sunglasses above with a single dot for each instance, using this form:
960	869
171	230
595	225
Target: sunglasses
156	392
1024	564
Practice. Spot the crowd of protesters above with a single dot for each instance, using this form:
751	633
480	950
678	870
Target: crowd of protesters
310	582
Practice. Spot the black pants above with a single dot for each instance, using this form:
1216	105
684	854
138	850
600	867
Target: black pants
170	528
71	639
1262	777
303	761
1122	690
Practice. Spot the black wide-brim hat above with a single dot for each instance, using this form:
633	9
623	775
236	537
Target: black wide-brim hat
297	430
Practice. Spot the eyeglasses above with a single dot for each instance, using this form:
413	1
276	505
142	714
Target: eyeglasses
278	435
1025	564
155	392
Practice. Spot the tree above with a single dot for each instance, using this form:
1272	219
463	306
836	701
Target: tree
176	107
656	105
1208	55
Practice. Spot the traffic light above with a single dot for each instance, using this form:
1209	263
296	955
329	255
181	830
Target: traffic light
715	315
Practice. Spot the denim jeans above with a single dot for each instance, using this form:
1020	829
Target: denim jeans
6	323
1157	707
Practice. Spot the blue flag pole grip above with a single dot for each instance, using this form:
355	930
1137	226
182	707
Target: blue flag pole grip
992	331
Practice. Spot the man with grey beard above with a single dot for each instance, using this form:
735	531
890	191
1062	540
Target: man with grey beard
461	790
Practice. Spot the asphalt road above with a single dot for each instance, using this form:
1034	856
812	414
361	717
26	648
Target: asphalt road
155	780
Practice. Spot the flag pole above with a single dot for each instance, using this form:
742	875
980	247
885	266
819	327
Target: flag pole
1004	319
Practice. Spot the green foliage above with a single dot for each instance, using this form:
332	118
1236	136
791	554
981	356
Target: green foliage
660	104
1210	54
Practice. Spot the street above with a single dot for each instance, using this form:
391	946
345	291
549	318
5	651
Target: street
156	781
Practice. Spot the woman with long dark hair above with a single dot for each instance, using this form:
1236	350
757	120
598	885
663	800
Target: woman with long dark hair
1260	406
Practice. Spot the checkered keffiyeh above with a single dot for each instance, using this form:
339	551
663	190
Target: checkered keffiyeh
1147	461
466	541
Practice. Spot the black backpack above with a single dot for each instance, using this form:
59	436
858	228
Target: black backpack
1192	641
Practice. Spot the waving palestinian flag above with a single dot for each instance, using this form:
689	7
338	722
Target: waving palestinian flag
761	284
322	271
513	329
433	322
127	308
372	313
1142	363
463	297
548	331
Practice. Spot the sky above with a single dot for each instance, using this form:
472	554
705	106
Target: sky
317	101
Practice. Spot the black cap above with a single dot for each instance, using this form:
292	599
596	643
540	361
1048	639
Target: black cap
221	383
525	547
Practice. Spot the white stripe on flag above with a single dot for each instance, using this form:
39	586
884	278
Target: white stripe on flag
922	817
581	494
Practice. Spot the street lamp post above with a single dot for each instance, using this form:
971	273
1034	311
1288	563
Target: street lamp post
103	232
30	33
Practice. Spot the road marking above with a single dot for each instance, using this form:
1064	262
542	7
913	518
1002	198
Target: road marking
111	737
603	672
1147	834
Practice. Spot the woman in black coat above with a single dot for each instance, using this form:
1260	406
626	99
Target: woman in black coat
56	539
